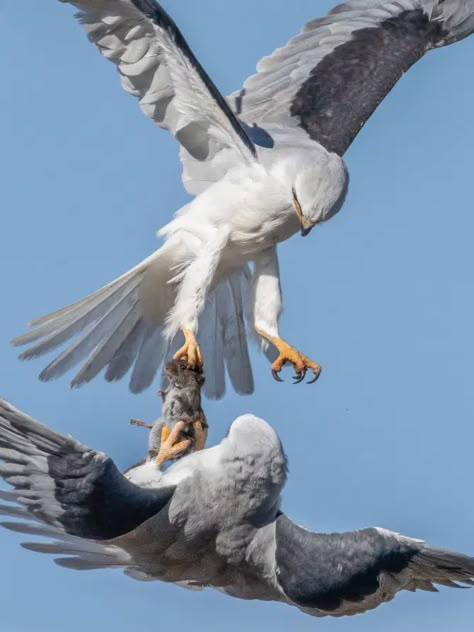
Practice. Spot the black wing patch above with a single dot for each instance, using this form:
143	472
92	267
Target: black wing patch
98	502
345	88
324	570
63	483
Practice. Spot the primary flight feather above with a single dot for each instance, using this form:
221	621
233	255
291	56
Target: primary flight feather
262	164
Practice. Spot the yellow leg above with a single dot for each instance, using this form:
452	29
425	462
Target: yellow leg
190	349
165	434
288	354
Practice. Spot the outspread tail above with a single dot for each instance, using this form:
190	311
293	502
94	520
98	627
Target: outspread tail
113	328
122	328
223	337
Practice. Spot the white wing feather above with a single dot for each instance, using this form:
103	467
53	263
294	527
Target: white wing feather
157	66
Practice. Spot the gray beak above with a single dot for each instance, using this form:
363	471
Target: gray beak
306	226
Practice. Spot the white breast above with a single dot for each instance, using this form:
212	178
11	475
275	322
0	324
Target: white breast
147	474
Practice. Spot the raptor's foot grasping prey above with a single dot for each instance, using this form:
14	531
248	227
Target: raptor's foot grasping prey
288	354
171	447
190	350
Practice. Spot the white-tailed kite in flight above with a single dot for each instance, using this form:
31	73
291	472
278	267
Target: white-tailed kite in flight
262	164
212	519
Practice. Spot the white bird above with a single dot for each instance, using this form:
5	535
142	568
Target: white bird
211	520
261	164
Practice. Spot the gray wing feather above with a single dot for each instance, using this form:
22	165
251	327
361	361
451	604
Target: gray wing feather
223	337
110	329
330	78
149	357
236	351
66	485
156	65
347	573
125	355
212	346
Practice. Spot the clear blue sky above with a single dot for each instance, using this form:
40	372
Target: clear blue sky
382	296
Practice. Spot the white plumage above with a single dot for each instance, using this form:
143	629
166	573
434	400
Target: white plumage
262	163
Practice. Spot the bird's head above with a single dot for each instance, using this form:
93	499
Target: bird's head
253	441
252	434
318	187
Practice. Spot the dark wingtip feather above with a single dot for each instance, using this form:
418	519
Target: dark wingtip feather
444	567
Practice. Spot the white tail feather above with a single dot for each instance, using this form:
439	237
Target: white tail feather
212	345
236	352
104	353
121	325
93	336
223	338
150	356
126	326
127	352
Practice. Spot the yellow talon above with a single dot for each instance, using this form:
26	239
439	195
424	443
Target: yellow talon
165	433
190	350
171	448
288	354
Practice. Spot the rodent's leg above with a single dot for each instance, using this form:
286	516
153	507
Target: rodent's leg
200	434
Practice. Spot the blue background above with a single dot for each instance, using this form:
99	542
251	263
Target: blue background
382	296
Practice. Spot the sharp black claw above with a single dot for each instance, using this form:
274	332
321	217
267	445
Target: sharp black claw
315	378
276	376
299	377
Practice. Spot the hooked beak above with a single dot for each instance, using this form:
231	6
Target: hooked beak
305	224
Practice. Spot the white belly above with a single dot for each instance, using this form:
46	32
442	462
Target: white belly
253	207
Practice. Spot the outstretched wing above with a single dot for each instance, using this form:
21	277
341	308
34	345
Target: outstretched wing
347	573
61	483
330	78
156	64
